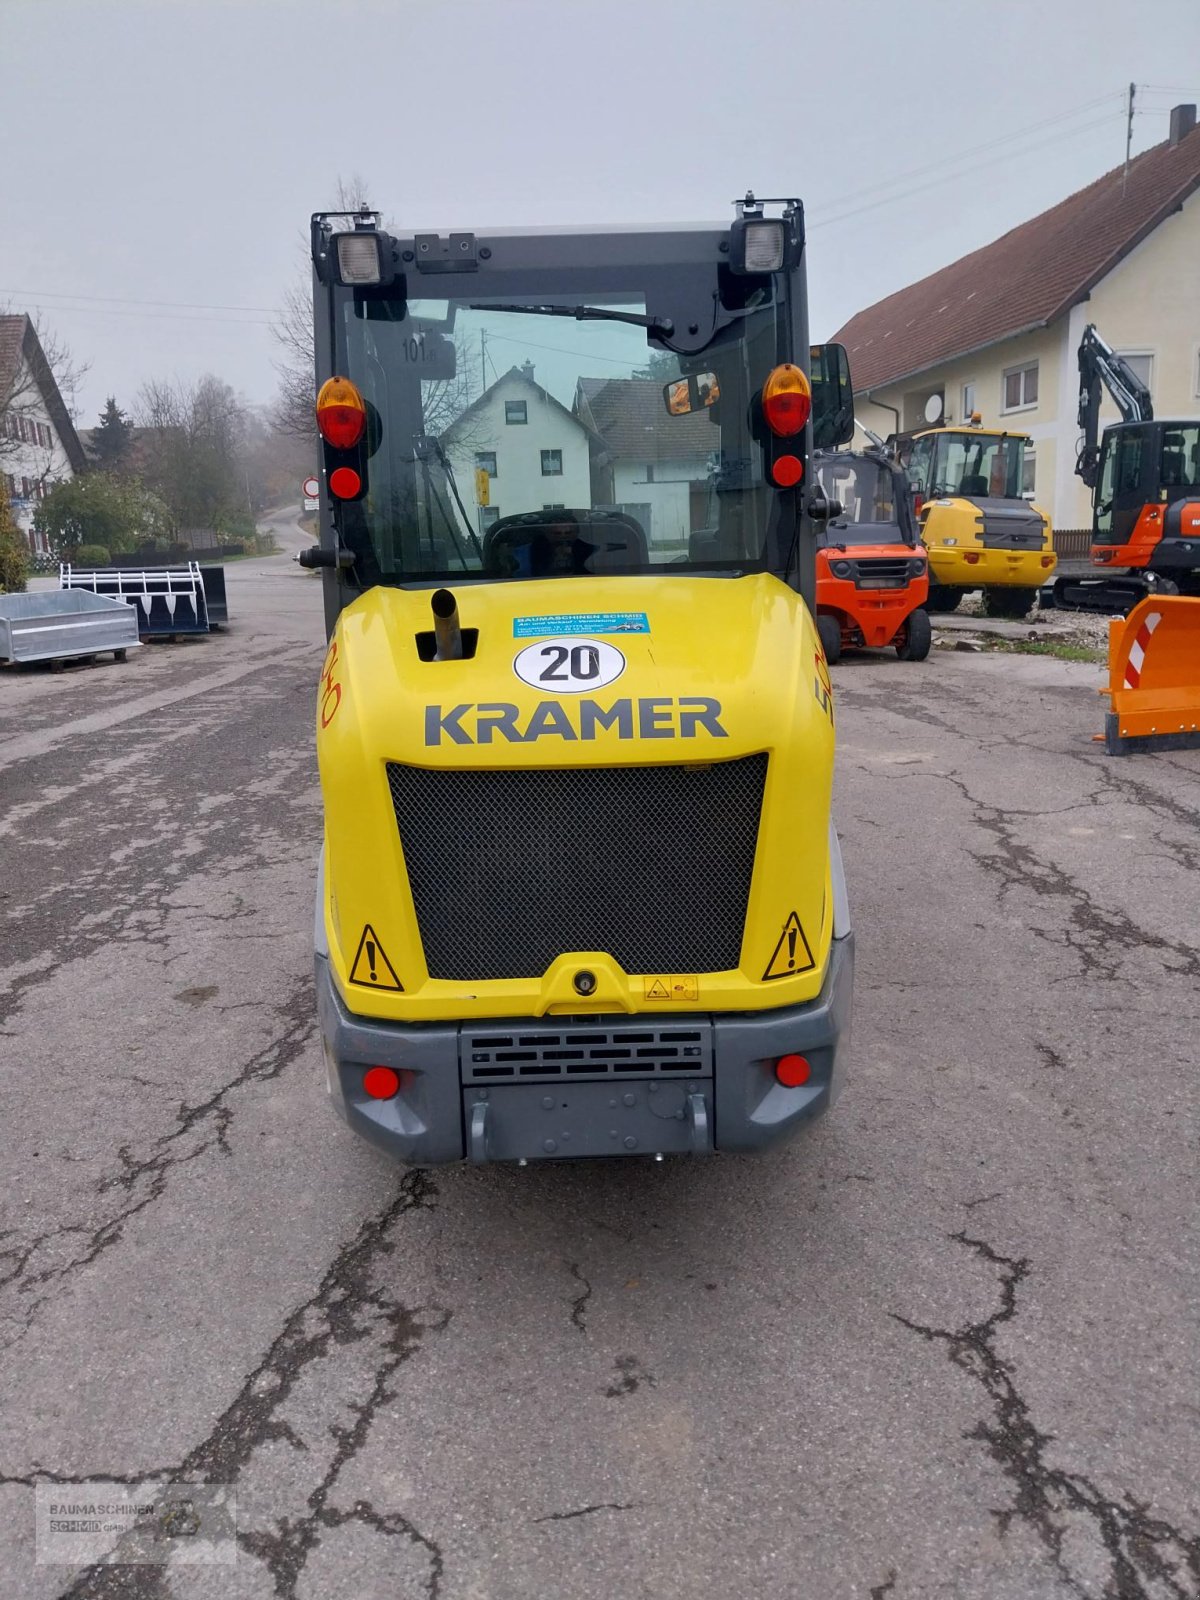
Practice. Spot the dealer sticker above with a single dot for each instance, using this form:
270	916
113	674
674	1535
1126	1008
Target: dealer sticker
577	622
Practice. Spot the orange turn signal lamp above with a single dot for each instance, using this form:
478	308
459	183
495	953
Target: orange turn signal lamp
786	400
341	413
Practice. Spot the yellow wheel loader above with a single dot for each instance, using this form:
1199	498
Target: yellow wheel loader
979	530
580	894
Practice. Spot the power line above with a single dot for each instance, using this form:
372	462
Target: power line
1106	120
956	157
165	316
556	349
126	300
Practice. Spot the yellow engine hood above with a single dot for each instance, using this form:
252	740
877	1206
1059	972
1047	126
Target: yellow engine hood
700	670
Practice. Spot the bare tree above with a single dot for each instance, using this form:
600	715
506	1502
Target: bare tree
194	450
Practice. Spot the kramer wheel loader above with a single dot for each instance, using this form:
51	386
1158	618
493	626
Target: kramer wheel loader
580	894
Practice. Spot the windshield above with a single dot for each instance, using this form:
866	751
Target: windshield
515	443
977	465
865	489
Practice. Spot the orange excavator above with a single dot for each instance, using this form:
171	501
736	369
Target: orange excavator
1145	480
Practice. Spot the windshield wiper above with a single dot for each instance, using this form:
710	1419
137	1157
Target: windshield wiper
659	325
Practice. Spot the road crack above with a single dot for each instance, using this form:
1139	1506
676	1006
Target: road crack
1147	1556
588	1511
349	1306
199	1129
579	1303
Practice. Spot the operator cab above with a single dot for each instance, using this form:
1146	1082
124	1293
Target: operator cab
566	404
965	463
871	506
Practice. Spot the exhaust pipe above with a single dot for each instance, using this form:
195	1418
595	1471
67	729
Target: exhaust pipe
445	626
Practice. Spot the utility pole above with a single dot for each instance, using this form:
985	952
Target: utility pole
482	359
1128	133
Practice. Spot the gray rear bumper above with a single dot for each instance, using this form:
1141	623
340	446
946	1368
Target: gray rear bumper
730	1102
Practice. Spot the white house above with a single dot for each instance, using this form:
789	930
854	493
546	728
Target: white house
38	443
998	331
651	464
533	450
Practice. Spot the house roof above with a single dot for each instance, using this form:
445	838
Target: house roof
1027	278
522	375
18	337
629	415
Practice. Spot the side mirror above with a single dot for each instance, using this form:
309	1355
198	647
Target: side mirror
822	509
832	396
697	392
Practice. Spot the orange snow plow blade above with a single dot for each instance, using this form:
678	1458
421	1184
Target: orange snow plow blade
1154	677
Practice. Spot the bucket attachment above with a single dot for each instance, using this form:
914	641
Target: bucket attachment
1154	677
166	600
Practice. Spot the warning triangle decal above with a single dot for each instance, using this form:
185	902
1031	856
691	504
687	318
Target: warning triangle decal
792	954
658	991
371	967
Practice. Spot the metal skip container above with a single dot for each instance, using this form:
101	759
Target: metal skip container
53	625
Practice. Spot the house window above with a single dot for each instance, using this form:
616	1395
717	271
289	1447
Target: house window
551	463
555	505
1029	470
11	483
1020	388
487	516
968	401
485	461
516	411
47	441
1141	364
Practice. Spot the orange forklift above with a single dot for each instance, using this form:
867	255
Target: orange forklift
872	570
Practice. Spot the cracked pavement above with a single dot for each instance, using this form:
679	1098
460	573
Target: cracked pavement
943	1345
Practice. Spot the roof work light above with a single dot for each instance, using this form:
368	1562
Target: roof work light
359	257
759	244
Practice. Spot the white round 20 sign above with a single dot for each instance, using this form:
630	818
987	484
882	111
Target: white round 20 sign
569	666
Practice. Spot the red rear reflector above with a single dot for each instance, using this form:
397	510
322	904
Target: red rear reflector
381	1083
971	557
792	1071
787	471
1047	561
344	482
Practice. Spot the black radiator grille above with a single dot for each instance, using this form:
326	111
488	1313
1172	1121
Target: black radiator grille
510	869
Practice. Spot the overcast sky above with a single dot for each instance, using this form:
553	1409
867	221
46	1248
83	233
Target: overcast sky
161	157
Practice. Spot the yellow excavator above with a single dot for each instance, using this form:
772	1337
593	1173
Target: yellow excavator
580	893
978	528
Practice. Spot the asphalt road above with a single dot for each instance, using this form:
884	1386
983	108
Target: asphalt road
944	1345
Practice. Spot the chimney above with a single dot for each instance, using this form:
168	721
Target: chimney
1183	120
527	366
